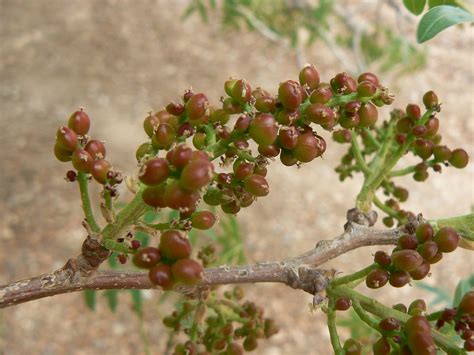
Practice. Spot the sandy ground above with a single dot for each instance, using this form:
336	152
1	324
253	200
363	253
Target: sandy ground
119	59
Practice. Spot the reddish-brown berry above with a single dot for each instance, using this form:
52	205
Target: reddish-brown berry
79	122
447	239
146	257
99	170
263	129
154	171
67	138
82	160
203	220
399	278
174	245
96	149
382	258
179	199
342	304
307	148
197	174
257	185
196	106
430	100
366	89
377	278
406	260
368	77
368	115
289	94
459	158
321	95
154	196
187	271
309	76
61	153
161	275
424	232
241	91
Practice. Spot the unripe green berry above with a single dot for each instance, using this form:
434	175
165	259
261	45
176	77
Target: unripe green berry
459	158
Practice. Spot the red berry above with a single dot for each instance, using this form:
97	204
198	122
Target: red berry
366	89
377	278
424	232
368	115
231	208
256	185
179	199
71	176
61	153
161	275
263	129
459	158
466	306
242	169
289	94
99	170
67	138
196	174
154	171
154	196
389	324
135	244
428	250
413	111
430	100
187	271
307	148
342	304
321	95
447	239
147	257
265	104
241	91
150	124
174	245
180	156
381	347
432	126
441	153
399	278
196	106
421	271
343	83
368	77
423	148
352	347
382	258
349	120
342	135
175	109
82	160
407	242
165	136
96	149
309	76
203	220
320	114
287	158
79	122
287	137
406	260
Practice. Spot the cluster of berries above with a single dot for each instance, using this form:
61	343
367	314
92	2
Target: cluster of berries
280	126
87	155
413	256
415	336
170	262
220	331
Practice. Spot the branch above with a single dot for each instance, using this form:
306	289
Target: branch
299	273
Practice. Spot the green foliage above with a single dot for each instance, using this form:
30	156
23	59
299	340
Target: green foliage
90	298
438	19
442	296
416	7
462	288
112	299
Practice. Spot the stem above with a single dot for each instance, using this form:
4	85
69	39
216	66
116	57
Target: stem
86	202
390	211
364	316
371	138
127	216
358	155
353	277
335	342
381	311
410	169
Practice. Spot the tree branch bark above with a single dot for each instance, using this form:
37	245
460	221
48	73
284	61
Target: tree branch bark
300	272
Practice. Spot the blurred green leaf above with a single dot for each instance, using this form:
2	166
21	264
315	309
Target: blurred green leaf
438	19
112	299
441	295
137	301
415	6
433	3
462	288
90	297
359	330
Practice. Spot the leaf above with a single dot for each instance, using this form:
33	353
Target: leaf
441	295
137	302
462	288
415	6
90	297
438	19
433	3
112	299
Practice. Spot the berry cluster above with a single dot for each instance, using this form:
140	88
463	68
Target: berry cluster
87	155
413	256
170	262
216	326
415	336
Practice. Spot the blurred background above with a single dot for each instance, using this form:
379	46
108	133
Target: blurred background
121	59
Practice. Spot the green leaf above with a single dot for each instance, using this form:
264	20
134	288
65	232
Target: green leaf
90	297
441	295
137	302
438	19
415	6
433	3
462	288
112	299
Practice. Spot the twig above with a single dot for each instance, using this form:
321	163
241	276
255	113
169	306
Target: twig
299	273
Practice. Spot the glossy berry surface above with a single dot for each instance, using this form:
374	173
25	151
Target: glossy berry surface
174	245
187	271
160	275
447	239
147	257
154	171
